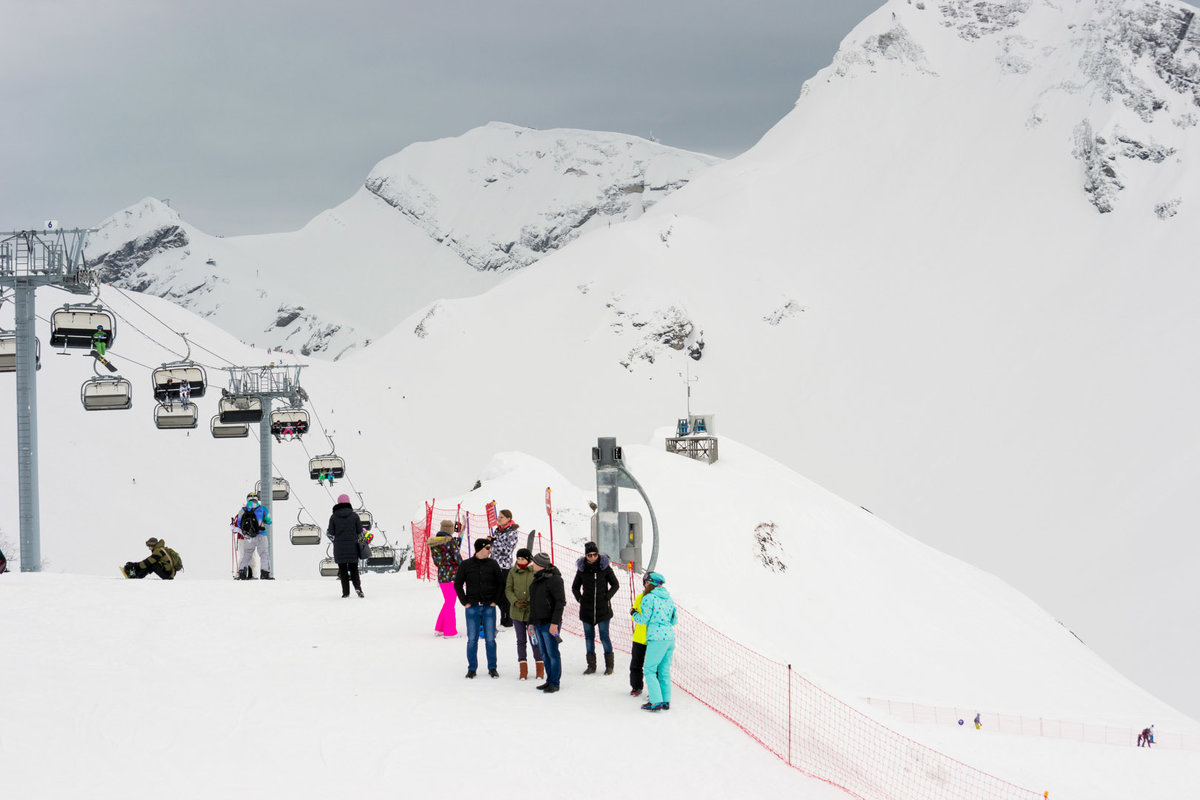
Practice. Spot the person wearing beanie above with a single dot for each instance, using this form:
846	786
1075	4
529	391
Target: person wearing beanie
251	522
504	540
162	561
516	590
345	530
547	601
479	584
657	613
444	550
594	587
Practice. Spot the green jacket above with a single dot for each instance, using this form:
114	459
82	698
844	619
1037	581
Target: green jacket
159	555
516	589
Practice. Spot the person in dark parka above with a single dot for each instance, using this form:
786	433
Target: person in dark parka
594	587
547	601
345	529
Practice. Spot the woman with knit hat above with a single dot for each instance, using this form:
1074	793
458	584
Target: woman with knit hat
443	549
345	529
516	590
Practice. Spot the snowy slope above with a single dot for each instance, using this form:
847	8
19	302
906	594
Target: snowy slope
426	223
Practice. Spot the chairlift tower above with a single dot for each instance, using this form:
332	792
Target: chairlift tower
274	381
52	256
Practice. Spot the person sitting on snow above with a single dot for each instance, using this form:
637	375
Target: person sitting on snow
162	561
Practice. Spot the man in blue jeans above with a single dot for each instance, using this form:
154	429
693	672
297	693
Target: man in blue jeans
547	601
479	583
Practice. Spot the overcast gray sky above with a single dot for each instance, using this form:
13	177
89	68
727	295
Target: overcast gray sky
254	116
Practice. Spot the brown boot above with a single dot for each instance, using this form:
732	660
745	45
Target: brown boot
608	663
591	664
524	671
541	669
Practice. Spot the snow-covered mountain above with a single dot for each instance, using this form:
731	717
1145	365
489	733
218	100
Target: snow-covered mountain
494	199
907	291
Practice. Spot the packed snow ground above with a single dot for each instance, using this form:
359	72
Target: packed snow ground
359	694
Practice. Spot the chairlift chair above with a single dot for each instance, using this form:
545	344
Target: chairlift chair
384	557
296	420
179	372
233	430
75	326
365	518
306	534
280	489
328	567
240	408
176	417
8	352
334	465
106	394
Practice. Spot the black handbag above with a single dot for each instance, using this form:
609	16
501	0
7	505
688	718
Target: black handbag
364	549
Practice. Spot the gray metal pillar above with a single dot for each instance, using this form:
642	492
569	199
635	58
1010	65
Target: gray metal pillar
266	495
608	528
27	441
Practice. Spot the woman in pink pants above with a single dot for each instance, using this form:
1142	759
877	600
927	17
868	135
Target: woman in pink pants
443	548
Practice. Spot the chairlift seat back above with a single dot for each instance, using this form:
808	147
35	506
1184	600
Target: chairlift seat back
328	568
234	430
77	327
365	518
242	408
191	374
8	352
296	420
106	394
280	489
334	465
177	417
306	534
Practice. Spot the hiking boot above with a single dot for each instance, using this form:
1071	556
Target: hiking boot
470	673
543	687
551	689
524	671
648	706
609	659
266	575
591	664
665	706
634	692
541	669
493	673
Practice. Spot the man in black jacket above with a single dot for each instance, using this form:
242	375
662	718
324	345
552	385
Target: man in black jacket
479	584
547	601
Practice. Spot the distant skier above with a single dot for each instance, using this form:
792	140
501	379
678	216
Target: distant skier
978	723
1145	738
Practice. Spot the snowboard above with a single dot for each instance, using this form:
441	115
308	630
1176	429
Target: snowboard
103	361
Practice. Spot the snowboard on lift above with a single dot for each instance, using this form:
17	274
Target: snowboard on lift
103	361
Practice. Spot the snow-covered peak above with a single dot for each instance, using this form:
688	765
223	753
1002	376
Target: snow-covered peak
502	196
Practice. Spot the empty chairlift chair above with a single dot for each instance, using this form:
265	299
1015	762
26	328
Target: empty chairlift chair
307	534
232	430
106	394
365	518
8	352
280	489
330	464
240	408
328	567
76	326
169	378
176	417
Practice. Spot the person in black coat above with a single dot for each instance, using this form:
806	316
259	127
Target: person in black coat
479	584
594	587
345	529
547	601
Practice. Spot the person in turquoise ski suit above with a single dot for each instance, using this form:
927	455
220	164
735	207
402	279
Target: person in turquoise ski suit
657	613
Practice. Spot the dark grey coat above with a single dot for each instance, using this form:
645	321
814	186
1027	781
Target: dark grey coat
344	529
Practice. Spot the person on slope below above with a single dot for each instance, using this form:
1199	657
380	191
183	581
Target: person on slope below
504	541
594	587
252	521
658	615
444	549
345	530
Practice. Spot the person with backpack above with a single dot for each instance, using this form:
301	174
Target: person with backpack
345	531
162	561
252	521
594	587
443	549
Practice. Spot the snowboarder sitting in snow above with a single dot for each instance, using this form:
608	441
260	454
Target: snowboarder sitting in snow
162	561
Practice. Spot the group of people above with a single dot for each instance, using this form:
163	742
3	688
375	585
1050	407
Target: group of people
528	594
171	390
1146	737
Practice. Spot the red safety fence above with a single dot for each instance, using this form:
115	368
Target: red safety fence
806	727
1018	725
